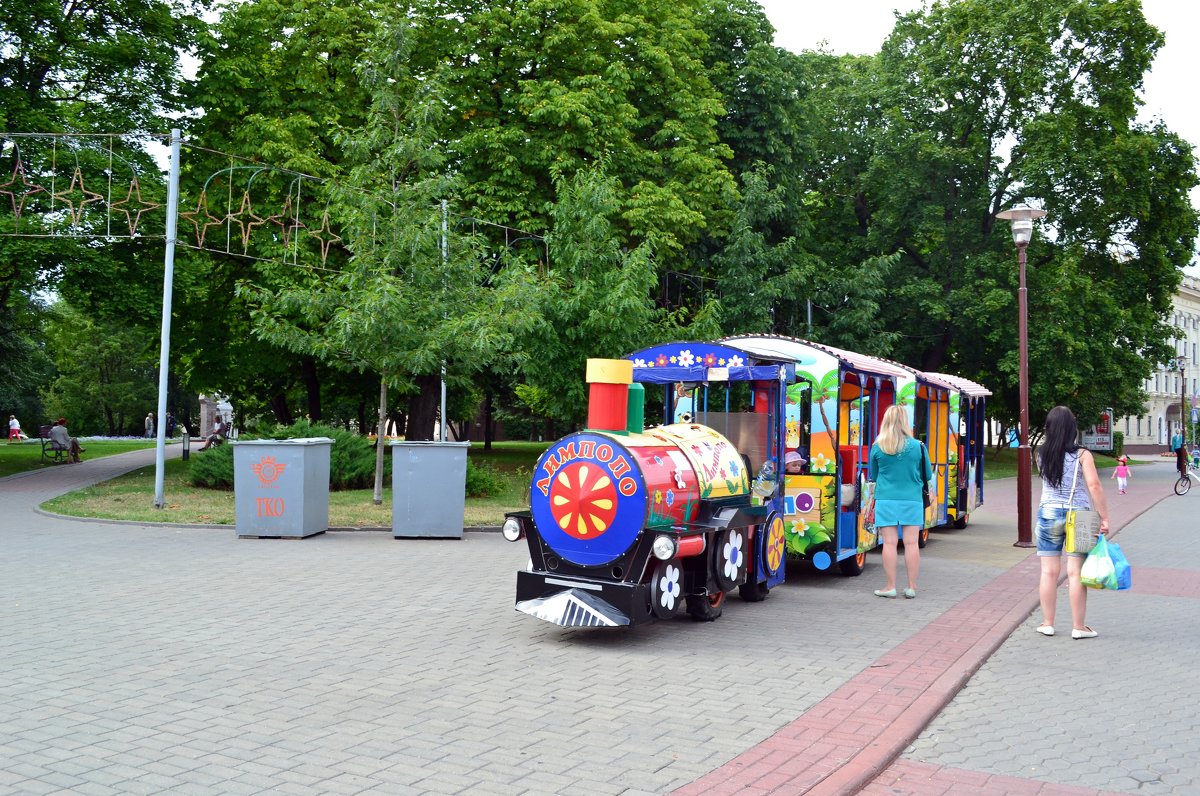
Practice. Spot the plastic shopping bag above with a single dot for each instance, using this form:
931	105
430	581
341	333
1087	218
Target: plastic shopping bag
1121	565
1098	571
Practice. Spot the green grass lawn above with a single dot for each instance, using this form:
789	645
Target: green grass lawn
17	458
131	497
1003	463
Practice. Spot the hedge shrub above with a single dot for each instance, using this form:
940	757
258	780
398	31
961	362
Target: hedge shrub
351	458
351	462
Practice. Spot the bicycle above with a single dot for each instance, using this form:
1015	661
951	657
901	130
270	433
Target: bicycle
1185	481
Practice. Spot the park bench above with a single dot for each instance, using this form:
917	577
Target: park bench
51	450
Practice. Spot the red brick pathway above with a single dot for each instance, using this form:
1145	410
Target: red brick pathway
854	735
851	736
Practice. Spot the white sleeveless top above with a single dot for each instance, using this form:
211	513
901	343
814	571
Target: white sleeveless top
1062	495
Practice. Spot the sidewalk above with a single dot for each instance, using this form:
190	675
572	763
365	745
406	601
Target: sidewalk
1039	718
160	659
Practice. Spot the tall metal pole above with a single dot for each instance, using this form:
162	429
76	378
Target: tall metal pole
165	339
1182	398
445	230
1024	455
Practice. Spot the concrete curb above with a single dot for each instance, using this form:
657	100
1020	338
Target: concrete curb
222	526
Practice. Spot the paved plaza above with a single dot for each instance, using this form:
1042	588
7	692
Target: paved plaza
149	659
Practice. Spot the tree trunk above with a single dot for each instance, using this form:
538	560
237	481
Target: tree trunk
280	408
489	422
312	386
422	408
380	440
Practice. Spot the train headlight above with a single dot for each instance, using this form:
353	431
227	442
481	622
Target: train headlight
664	548
511	529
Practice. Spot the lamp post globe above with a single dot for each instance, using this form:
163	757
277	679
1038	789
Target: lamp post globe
1022	218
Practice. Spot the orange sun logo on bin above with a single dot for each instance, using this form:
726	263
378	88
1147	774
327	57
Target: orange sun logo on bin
268	470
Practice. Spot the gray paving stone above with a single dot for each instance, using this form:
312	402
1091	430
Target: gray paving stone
1103	713
351	662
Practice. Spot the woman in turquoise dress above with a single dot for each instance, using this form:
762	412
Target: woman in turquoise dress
895	467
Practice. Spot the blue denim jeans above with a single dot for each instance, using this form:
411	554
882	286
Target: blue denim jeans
1051	531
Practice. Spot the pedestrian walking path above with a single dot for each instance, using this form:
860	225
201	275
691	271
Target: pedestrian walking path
1058	716
151	659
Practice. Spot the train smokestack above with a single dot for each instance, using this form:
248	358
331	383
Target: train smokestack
608	394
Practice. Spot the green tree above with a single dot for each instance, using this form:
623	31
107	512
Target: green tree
544	89
106	372
95	67
277	87
595	300
969	107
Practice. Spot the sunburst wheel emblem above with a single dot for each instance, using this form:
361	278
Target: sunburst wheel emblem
775	540
583	500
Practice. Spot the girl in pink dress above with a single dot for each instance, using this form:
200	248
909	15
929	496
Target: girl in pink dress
1121	473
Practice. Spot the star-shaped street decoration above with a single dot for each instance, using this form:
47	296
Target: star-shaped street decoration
326	236
77	197
246	226
26	189
286	222
133	217
194	217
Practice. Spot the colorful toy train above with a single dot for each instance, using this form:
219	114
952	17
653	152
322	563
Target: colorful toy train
766	461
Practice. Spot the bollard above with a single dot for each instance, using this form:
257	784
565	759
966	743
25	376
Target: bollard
187	442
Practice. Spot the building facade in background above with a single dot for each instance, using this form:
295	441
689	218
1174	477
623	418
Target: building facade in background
1163	389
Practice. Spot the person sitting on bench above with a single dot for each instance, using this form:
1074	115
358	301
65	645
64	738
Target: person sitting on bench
220	431
63	439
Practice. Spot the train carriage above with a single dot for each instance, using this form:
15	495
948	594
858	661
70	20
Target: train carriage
836	405
968	423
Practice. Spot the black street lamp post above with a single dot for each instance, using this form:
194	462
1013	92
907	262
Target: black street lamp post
1022	218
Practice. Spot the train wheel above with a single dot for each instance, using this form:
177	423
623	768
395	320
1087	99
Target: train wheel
852	567
706	607
729	558
754	592
922	537
961	520
666	599
773	545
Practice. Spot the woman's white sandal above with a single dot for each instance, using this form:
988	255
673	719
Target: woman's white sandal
1046	630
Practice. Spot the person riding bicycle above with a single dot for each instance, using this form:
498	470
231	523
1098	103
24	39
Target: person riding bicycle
1181	453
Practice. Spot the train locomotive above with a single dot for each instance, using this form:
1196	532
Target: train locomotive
628	525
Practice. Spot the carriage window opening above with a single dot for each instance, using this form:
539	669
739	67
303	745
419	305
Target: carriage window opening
797	427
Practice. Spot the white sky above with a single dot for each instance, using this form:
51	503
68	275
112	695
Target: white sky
861	26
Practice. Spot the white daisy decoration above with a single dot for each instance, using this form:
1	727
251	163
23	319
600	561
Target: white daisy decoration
668	587
733	555
686	359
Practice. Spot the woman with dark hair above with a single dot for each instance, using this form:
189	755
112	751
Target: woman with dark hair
1069	481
